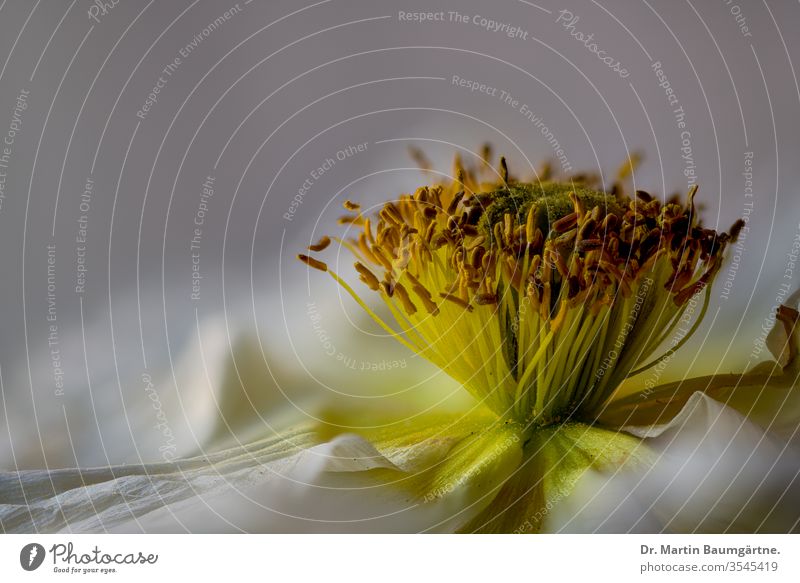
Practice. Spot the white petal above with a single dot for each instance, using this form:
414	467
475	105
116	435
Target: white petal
717	472
98	499
331	487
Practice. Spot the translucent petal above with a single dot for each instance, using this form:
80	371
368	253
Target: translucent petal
716	472
554	460
99	498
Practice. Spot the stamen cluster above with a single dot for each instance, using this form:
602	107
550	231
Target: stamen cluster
540	298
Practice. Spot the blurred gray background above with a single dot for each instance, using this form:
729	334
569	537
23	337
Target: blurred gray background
114	350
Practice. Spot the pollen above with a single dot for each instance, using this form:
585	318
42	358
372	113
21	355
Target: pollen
538	297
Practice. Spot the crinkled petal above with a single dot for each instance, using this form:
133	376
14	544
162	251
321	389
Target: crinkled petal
455	463
99	498
414	441
350	484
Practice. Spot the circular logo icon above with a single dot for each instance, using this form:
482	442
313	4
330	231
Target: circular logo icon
31	556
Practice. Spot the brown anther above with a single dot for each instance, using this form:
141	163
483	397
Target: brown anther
480	200
503	170
425	296
451	208
609	222
469	230
644	196
736	229
321	244
573	286
565	223
367	276
430	232
452	224
408	305
486	299
391	215
311	262
566	239
439	240
589	245
787	316
349	220
587	228
471	215
378	253
476	256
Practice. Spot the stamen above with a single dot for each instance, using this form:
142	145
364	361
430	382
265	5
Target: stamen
321	245
408	305
311	262
367	276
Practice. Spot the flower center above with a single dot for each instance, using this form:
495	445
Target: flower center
539	298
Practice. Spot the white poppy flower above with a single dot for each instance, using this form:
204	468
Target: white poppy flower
549	303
